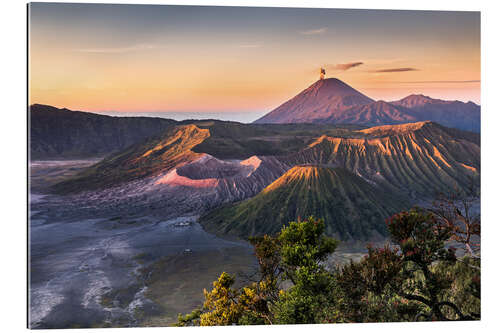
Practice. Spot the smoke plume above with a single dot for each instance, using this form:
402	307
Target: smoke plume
346	66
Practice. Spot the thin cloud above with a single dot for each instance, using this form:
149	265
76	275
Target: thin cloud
385	61
250	46
395	70
344	67
126	49
314	31
453	81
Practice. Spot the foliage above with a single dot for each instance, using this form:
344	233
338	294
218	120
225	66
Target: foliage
303	248
294	256
465	290
456	211
421	239
221	303
414	271
416	277
190	319
350	206
364	292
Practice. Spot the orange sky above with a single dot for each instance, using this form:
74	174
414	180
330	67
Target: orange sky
174	58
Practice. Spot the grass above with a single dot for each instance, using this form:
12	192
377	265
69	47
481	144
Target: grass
350	206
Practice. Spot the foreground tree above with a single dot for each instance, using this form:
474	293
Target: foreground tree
415	271
291	258
460	211
457	211
421	239
365	294
303	249
416	277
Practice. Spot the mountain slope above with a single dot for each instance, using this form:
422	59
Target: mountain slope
352	208
65	134
62	133
331	101
150	158
320	100
206	147
418	159
376	113
353	179
414	159
457	114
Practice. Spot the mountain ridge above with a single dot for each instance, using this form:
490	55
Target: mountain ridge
419	159
63	133
374	113
396	156
156	155
351	207
397	163
331	101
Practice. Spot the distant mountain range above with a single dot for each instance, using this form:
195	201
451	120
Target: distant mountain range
332	101
354	178
62	133
65	134
419	158
249	179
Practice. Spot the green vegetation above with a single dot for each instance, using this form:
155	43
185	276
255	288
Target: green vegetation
416	277
352	207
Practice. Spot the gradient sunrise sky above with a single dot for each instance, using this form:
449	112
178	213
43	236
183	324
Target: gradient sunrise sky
242	61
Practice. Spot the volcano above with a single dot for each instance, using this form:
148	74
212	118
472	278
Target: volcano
351	207
331	101
321	100
375	113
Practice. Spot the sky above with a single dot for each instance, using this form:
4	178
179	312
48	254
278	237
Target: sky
242	62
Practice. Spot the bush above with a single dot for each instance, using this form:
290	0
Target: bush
417	277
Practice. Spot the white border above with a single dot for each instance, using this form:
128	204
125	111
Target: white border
13	172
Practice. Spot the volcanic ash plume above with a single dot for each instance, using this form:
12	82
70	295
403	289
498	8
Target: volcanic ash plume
322	73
